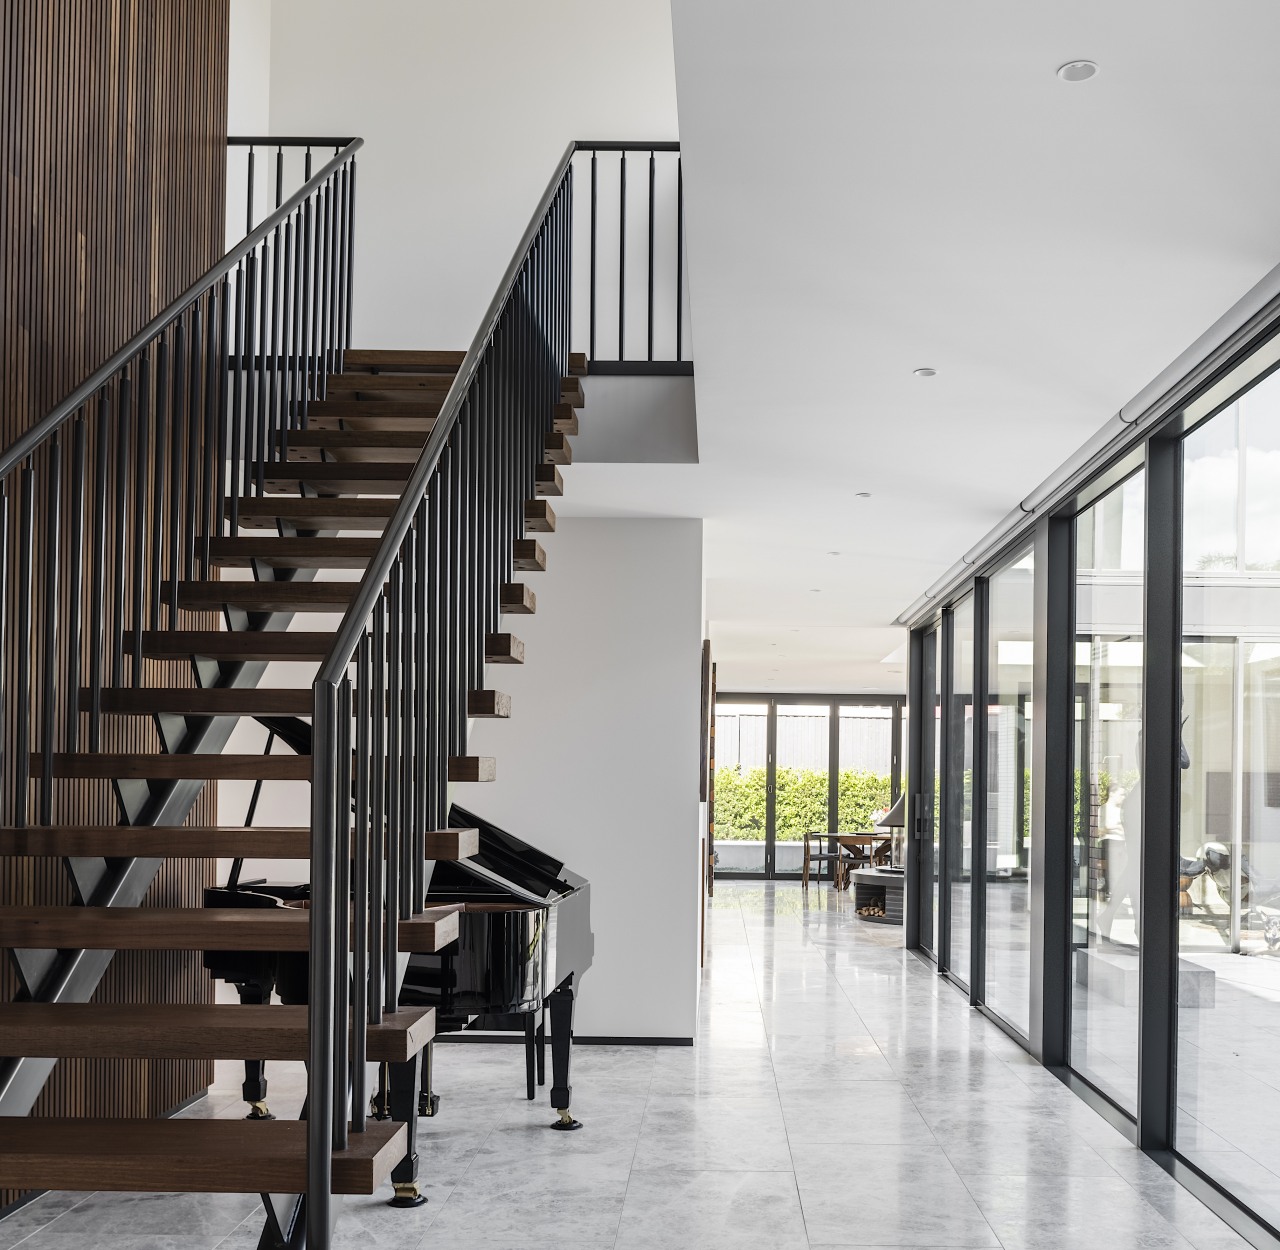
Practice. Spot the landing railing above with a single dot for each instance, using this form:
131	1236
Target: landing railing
409	651
109	503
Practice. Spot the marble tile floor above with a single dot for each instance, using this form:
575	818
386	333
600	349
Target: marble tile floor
839	1094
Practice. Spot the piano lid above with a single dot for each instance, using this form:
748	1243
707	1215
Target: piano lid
505	865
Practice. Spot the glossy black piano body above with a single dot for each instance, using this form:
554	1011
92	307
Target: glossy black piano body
524	943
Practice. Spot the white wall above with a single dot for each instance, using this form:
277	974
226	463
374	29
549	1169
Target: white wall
598	764
248	100
465	109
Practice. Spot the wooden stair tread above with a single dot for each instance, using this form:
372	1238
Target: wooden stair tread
490	704
530	556
226	644
190	1031
473	768
539	517
294	553
195	928
187	1155
556	448
339	477
347	406
547	481
390	379
139	767
198	841
218	701
267	596
503	649
325	440
578	364
316	514
571	391
400	358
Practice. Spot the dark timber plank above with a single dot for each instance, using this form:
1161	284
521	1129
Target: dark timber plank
473	768
489	704
141	767
547	481
398	358
316	514
294	553
222	644
188	1156
190	1031
529	555
517	599
267	596
236	701
503	649
539	517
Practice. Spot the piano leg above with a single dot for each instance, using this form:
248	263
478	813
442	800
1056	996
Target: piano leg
428	1103
542	1047
402	1091
560	1001
530	1057
254	1089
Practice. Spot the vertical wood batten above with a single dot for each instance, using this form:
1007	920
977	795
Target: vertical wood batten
112	156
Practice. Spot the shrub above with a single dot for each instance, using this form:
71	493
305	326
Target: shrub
741	802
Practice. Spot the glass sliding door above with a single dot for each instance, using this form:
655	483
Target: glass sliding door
742	786
1007	928
865	780
926	790
958	808
802	781
1228	1092
1106	904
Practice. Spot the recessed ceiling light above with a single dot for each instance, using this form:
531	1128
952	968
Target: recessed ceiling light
833	553
923	373
1077	71
815	591
863	494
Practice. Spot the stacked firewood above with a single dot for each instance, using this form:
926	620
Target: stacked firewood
874	908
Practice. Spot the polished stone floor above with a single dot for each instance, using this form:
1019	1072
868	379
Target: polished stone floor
839	1094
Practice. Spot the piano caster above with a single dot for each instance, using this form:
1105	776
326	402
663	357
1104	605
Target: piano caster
258	1111
428	1104
408	1195
378	1109
566	1123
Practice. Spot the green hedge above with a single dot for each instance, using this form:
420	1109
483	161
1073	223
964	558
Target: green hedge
802	802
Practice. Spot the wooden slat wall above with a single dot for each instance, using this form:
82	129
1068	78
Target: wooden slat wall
113	160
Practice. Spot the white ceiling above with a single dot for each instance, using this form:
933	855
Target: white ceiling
872	187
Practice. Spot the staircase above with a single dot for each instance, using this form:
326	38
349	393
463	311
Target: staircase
192	513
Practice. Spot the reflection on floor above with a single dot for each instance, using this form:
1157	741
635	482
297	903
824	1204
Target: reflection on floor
839	1094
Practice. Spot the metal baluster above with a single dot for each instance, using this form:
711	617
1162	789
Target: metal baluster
679	256
249	347
593	254
420	805
158	466
288	339
351	220
236	414
342	916
622	254
124	402
51	523
382	967
262	407
362	968
395	710
4	644
437	765
142	439
248	209
192	453
75	590
98	592
308	360
223	461
179	398
652	174
277	279
320	1002
405	711
26	577
211	447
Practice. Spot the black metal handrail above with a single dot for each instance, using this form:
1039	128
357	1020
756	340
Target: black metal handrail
415	632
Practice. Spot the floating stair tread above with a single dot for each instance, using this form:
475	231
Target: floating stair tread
187	1156
408	406
159	841
227	644
471	768
571	392
296	553
517	599
358	421
547	481
539	516
578	364
194	928
530	557
218	701
489	704
190	1031
557	449
357	440
340	477
394	358
316	514
197	841
389	379
503	649
267	596
565	419
139	767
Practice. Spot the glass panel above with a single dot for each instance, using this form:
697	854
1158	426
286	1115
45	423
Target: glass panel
1229	838
866	766
931	747
741	772
803	784
1104	963
1008	792
959	806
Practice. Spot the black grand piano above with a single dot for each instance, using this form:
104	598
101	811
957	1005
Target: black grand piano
524	943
